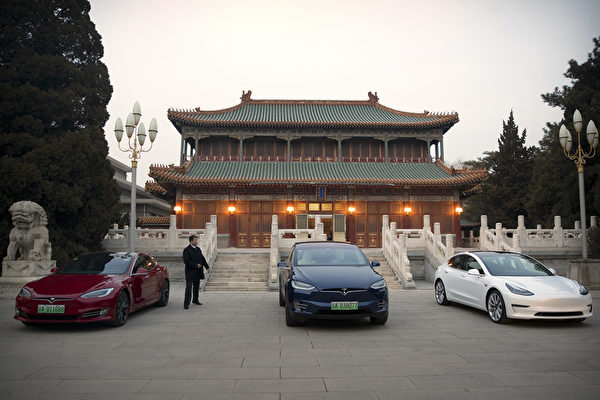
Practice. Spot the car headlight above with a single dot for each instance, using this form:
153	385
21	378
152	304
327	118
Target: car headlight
98	293
302	286
582	290
379	284
518	290
24	292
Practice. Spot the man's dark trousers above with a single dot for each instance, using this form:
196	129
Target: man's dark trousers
192	285
192	258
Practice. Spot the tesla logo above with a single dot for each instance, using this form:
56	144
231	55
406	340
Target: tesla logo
344	291
51	300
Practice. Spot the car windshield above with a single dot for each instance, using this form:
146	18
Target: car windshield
329	256
97	264
508	264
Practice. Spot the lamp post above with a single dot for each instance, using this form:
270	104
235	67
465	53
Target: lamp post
135	148
579	157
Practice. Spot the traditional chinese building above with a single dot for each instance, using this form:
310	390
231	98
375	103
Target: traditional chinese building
349	162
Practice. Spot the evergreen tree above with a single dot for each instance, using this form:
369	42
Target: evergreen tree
554	188
53	96
504	194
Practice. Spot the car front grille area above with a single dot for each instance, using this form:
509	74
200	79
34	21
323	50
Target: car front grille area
559	314
62	317
52	299
42	317
360	311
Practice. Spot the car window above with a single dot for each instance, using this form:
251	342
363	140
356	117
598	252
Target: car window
97	264
511	264
457	261
329	256
471	263
149	263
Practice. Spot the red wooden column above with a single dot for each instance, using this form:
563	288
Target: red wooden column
456	228
232	226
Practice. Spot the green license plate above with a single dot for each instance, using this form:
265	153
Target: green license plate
344	305
51	308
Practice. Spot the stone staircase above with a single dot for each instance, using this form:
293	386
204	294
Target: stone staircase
239	271
385	270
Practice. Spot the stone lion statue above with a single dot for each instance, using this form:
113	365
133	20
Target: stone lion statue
29	238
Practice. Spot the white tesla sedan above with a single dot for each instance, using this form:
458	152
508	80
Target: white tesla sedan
510	285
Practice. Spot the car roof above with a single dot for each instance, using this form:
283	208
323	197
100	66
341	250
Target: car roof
323	244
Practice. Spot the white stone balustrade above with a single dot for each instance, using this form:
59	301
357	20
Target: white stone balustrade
396	243
523	239
165	240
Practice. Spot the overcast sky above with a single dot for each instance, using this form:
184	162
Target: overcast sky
476	57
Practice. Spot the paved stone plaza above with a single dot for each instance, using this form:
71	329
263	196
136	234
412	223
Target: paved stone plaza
236	346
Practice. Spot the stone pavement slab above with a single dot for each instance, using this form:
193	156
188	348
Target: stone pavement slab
237	346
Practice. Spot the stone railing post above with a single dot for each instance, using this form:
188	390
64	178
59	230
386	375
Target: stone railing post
450	245
483	232
274	253
558	231
172	231
521	231
426	223
498	237
385	225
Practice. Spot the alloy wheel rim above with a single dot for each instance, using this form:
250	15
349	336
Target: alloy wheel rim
165	292
122	309
439	292
495	307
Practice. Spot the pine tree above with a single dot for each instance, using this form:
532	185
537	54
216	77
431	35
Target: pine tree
504	194
53	96
554	188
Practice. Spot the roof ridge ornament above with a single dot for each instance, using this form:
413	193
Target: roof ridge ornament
246	96
373	98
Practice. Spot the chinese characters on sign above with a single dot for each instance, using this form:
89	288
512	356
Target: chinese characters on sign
320	192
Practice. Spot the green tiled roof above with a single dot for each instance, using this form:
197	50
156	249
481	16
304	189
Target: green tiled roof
251	172
311	113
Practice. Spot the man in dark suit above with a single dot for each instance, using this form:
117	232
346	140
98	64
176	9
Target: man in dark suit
194	271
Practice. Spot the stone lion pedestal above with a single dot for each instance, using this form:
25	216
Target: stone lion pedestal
29	250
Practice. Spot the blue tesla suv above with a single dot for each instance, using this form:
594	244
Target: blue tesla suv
331	280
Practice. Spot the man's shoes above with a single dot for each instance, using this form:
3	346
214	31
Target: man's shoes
197	302
186	307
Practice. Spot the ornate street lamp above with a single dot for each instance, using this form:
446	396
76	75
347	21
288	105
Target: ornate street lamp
136	134
579	157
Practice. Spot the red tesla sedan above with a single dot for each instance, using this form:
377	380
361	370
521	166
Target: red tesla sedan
94	287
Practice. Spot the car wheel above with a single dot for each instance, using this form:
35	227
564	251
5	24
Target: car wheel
290	318
164	294
121	309
440	293
380	320
281	298
496	308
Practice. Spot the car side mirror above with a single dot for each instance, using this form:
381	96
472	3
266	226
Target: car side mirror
282	264
53	270
552	270
474	272
375	264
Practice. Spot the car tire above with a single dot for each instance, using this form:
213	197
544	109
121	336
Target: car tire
121	309
164	294
290	318
496	308
440	293
379	320
281	298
